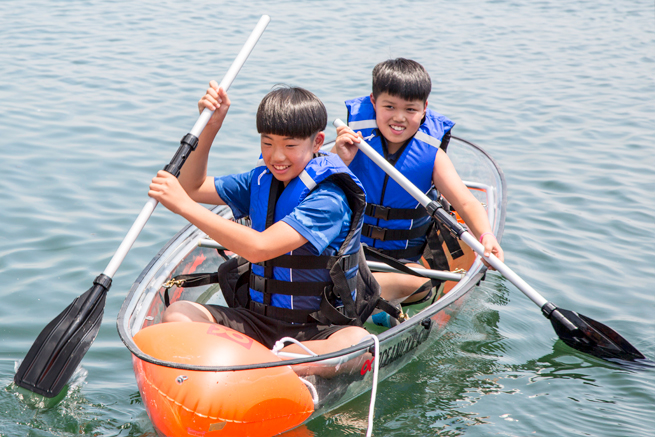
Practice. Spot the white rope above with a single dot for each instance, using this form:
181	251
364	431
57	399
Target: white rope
279	345
374	388
311	388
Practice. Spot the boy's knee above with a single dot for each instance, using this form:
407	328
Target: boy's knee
184	311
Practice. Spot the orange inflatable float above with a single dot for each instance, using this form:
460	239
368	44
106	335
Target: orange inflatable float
259	402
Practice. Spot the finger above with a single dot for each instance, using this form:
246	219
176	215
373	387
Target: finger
222	95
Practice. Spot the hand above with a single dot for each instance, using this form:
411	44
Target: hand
346	144
166	189
491	245
215	99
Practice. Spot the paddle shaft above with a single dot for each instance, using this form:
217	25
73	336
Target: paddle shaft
436	210
188	144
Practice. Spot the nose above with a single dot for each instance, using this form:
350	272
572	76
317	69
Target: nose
277	153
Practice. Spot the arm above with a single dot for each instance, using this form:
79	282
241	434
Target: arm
193	176
449	184
253	245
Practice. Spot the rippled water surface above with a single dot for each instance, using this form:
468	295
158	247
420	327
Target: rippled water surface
95	95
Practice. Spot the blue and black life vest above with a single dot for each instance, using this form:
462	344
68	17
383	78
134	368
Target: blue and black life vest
395	223
304	286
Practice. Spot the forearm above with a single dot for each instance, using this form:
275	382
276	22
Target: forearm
253	245
194	172
475	216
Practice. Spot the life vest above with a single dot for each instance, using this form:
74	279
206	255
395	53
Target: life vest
305	286
394	222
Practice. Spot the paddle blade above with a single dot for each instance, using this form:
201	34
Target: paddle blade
60	347
592	337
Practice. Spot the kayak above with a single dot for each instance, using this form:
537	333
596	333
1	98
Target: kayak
207	380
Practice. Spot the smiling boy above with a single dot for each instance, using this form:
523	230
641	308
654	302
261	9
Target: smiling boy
306	209
395	120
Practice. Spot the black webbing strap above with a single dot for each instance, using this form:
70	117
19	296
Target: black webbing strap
311	261
269	286
451	242
277	187
196	279
387	213
191	280
383	234
374	253
408	253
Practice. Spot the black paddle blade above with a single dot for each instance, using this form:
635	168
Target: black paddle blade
60	347
592	337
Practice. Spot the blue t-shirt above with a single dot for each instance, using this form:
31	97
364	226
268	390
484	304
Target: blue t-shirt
323	217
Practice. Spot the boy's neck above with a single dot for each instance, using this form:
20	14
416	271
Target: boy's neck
392	148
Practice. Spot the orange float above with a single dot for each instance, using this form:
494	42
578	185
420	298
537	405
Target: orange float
258	402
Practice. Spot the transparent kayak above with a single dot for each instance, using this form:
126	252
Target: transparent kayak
203	380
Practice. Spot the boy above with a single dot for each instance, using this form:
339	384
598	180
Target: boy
306	210
396	121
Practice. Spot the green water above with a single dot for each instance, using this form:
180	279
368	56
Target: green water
95	95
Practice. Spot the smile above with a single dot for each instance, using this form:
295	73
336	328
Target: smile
396	128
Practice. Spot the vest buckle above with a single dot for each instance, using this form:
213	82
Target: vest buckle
376	232
380	212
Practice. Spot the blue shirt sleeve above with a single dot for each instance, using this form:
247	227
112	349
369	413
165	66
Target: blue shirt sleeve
323	217
234	190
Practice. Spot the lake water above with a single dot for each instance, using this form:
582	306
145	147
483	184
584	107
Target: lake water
95	95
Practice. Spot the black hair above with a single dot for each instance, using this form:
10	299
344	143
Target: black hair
291	112
402	78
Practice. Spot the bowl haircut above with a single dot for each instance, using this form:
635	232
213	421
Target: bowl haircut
402	78
291	112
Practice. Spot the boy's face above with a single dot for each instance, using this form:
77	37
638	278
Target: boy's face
287	157
398	119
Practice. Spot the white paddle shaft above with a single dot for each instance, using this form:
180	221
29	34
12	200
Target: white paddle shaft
466	237
200	124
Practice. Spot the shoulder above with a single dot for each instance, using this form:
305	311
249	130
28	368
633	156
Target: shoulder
433	117
329	195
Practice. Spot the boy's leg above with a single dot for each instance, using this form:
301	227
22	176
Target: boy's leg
396	287
343	338
185	311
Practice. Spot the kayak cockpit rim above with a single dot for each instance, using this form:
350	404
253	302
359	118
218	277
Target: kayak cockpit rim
134	310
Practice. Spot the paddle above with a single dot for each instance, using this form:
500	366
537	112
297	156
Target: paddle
61	345
577	331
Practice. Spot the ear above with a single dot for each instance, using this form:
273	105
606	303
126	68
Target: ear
373	101
318	142
425	108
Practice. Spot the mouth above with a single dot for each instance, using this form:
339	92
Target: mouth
280	167
397	128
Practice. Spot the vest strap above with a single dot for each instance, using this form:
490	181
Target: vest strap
269	286
387	213
408	253
311	262
384	234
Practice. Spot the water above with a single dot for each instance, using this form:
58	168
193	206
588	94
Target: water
95	95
